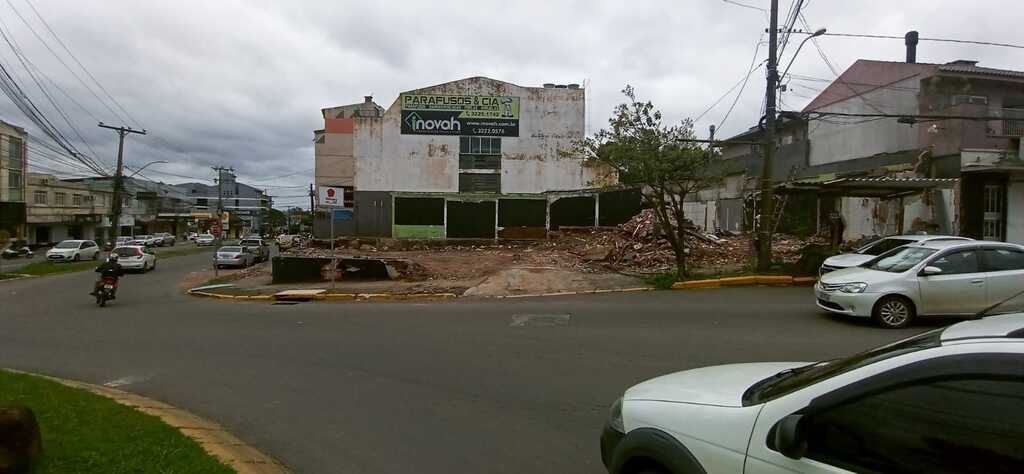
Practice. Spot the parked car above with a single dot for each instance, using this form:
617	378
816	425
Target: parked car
191	236
204	240
948	400
73	251
121	241
935	278
166	239
258	247
286	241
876	248
136	257
234	256
149	240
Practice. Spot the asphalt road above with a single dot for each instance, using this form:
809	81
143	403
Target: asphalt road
465	386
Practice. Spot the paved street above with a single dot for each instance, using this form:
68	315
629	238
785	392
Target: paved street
467	386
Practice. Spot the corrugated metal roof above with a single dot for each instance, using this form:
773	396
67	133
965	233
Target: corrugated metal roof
971	68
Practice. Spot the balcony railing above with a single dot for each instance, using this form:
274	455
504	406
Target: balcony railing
1012	123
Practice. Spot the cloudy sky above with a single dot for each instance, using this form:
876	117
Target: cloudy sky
241	84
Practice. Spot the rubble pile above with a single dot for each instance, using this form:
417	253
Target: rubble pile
633	247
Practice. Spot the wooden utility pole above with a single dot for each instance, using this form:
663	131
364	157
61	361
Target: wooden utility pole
115	223
767	194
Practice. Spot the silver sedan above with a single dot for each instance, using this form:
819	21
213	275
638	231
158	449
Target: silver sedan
233	256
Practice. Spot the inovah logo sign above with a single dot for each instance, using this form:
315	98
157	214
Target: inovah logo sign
417	124
429	114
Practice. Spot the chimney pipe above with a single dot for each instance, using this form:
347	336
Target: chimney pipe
367	99
911	41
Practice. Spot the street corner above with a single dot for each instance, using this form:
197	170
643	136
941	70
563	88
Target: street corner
213	438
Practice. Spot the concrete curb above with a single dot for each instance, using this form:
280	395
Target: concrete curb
212	437
771	280
20	276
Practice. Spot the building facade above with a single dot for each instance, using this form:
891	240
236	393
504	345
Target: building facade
244	206
59	210
473	158
878	155
13	176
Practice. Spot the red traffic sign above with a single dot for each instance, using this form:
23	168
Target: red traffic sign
330	192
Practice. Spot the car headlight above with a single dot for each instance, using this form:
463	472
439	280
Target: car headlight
854	287
615	416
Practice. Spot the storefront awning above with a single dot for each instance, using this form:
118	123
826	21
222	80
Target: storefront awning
878	187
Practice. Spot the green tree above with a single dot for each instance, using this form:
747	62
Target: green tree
660	159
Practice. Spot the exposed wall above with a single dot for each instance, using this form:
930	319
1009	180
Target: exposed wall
550	121
1015	211
831	143
335	165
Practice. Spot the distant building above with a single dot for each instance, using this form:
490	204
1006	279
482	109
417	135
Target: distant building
244	205
473	158
13	169
59	210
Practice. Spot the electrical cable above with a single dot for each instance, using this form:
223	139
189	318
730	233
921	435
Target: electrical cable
941	40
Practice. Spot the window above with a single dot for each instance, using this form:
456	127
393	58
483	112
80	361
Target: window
76	199
202	202
127	202
884	245
59	198
969	99
480	153
39	197
1000	260
14	184
964	261
899	260
480	145
14	153
938	426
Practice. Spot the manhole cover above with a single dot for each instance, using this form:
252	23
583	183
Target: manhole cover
542	320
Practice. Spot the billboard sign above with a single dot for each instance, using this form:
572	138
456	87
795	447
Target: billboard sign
467	115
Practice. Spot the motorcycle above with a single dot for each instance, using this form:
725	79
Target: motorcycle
17	248
106	291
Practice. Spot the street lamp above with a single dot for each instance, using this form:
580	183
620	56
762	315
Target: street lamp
139	170
817	33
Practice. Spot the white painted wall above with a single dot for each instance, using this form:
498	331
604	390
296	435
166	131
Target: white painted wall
833	142
703	214
1015	211
551	120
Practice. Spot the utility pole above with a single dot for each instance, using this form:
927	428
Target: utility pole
764	226
115	223
220	198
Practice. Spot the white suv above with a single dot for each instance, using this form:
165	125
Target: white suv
948	400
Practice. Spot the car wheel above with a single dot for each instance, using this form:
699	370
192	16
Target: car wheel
74	258
145	267
96	256
893	312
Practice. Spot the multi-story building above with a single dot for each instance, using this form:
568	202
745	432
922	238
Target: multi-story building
473	158
13	169
894	147
59	209
244	206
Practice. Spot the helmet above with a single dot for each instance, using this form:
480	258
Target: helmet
112	258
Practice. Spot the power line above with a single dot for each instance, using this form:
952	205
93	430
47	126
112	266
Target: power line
743	86
66	49
942	40
828	62
282	176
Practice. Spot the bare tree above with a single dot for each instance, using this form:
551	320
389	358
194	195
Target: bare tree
661	159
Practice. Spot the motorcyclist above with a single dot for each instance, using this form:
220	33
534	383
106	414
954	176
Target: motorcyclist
108	269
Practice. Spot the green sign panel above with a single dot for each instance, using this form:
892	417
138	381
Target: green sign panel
467	115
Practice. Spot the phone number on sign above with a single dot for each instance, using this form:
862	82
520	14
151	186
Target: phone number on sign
490	131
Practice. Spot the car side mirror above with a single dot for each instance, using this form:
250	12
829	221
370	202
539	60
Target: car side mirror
788	437
930	270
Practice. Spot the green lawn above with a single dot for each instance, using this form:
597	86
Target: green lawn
49	268
86	433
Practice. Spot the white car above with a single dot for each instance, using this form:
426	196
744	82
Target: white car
948	400
136	257
204	240
876	248
73	251
150	240
936	278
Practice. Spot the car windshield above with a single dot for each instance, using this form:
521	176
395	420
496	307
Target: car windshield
879	247
899	260
67	244
791	380
230	249
127	252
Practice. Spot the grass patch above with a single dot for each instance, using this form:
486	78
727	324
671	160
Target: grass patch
178	252
50	268
8	276
86	433
664	281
